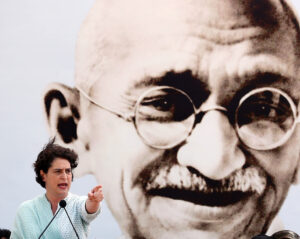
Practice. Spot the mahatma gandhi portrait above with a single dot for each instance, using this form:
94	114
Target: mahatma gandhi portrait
186	111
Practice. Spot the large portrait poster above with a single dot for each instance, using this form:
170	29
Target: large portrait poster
37	48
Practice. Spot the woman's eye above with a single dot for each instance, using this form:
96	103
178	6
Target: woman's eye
68	171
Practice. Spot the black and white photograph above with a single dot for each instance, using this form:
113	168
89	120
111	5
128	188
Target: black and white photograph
146	119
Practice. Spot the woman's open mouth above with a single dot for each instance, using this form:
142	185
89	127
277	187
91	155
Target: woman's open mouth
63	185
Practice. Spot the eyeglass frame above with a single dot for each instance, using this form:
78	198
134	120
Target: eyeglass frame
131	117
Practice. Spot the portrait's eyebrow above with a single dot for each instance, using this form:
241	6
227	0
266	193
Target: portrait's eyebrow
265	79
194	86
168	78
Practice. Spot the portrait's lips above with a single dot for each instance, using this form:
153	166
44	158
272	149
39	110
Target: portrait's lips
200	198
208	199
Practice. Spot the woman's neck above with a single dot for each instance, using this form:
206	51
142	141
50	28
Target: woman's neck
54	201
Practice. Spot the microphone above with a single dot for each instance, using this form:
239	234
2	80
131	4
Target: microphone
50	222
63	204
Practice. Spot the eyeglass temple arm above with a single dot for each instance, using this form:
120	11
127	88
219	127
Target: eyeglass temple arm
128	117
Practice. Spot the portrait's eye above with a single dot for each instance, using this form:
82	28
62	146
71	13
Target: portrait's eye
159	103
165	105
256	111
265	108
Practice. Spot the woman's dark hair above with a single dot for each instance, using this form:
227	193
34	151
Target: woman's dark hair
285	234
50	152
5	233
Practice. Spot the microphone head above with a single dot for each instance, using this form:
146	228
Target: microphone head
63	203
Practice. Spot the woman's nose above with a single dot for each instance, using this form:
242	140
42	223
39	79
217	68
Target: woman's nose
64	174
212	148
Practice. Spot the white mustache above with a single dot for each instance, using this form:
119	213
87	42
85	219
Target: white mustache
250	179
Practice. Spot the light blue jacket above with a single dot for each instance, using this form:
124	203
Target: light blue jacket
34	215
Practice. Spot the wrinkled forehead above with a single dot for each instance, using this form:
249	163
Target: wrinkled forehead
116	29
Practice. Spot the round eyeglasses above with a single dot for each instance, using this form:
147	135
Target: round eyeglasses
165	116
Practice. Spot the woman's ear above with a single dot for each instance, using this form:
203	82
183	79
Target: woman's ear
61	105
42	175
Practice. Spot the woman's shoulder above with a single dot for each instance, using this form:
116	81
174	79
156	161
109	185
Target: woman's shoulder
30	204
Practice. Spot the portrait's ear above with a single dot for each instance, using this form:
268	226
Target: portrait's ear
62	110
61	106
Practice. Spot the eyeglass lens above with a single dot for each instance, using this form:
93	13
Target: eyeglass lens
264	118
165	116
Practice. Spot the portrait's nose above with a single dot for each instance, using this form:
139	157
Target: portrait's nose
212	148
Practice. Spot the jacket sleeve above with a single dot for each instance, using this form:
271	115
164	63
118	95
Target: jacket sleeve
85	216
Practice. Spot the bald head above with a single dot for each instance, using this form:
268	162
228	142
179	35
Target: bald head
113	29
